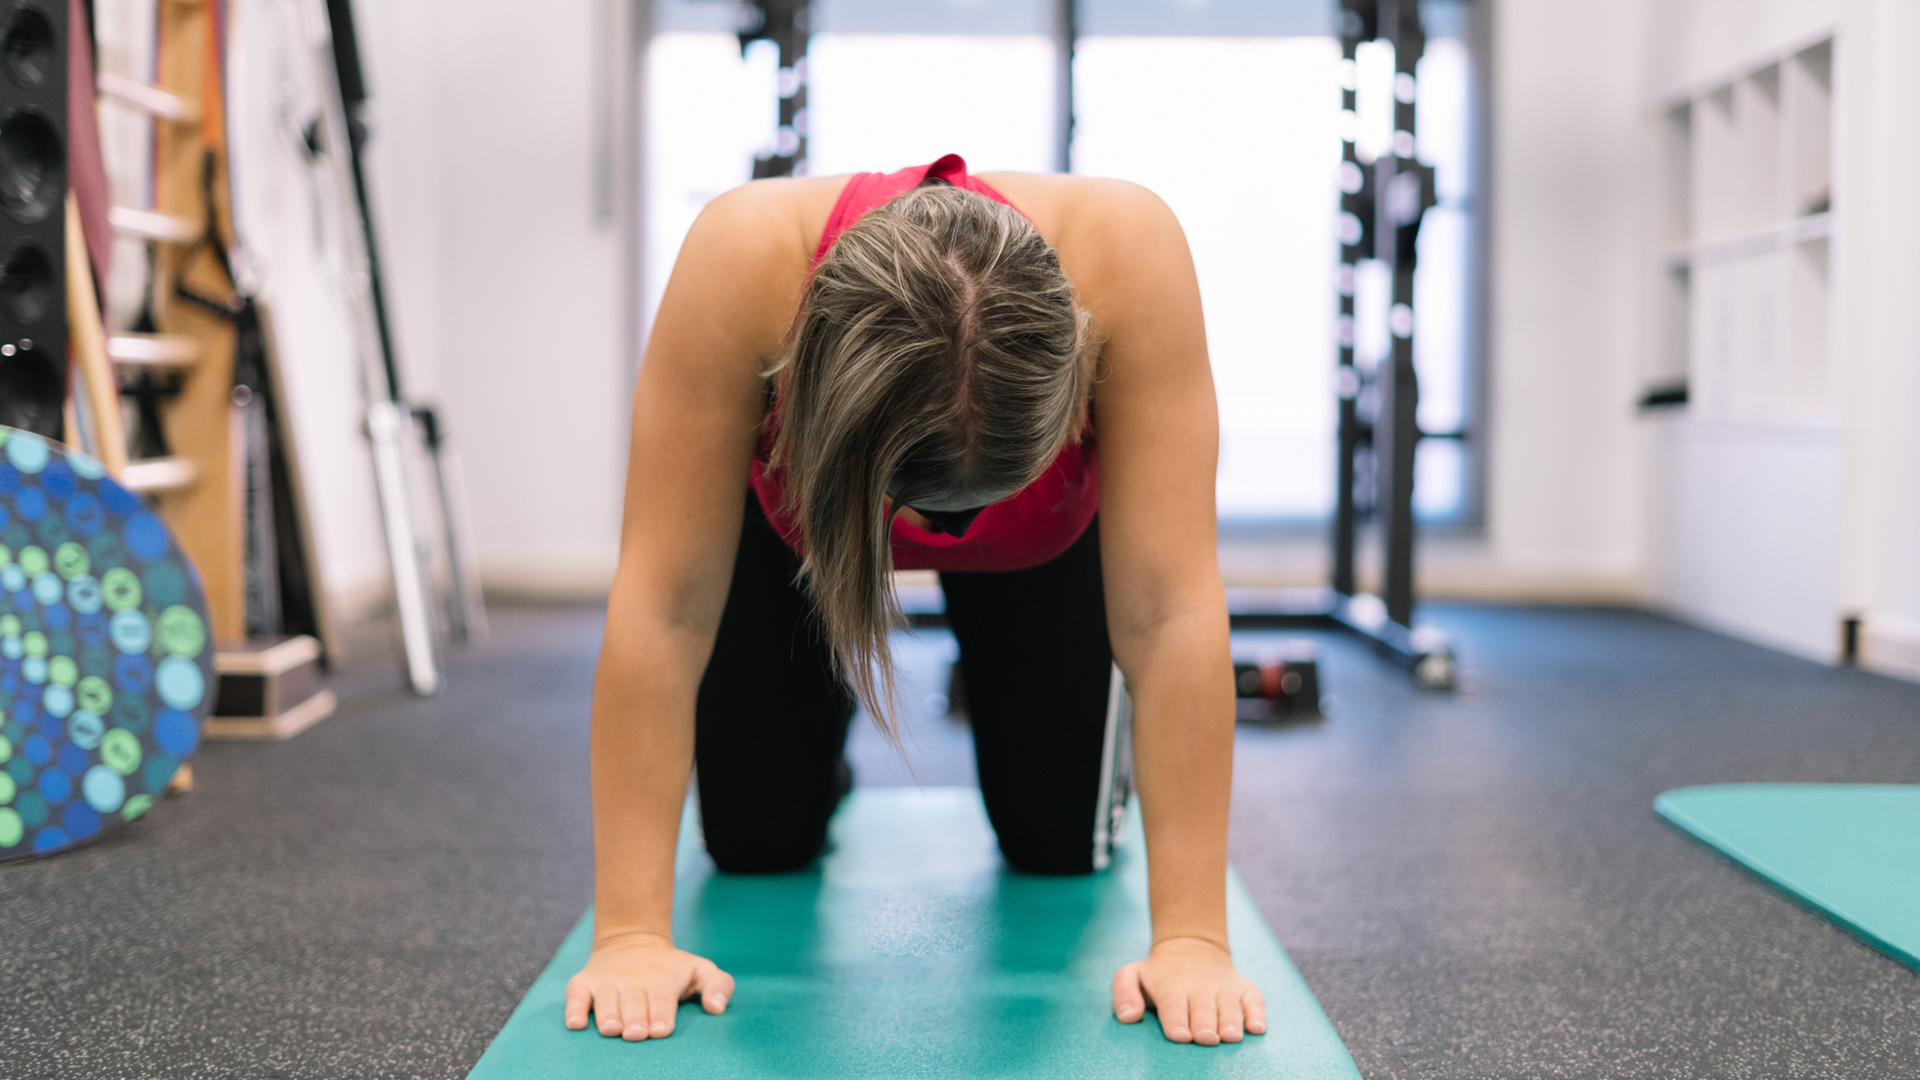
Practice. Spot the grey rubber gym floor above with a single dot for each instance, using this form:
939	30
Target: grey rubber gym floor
1474	885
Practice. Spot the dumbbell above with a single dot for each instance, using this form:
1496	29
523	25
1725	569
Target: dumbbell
1272	681
1285	680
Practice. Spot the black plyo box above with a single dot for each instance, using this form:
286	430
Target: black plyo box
264	678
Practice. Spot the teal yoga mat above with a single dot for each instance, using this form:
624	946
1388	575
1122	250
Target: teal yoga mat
909	952
1850	851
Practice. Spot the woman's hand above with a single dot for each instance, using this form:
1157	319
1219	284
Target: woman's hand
634	983
1194	987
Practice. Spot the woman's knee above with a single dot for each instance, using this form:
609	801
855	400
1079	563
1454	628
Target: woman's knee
1055	858
766	848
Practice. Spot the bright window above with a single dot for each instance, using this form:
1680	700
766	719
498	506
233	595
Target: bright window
880	102
1239	136
876	102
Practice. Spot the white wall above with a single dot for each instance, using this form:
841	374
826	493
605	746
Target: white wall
1879	267
1563	494
504	289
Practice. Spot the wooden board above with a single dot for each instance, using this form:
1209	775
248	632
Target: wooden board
206	515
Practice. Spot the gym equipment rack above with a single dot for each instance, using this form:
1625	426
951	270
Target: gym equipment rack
1381	206
783	22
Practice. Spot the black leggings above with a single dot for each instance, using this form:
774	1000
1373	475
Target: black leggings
772	715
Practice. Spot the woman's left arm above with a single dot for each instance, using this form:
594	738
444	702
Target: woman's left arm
1158	431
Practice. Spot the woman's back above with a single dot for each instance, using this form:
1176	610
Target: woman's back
1035	524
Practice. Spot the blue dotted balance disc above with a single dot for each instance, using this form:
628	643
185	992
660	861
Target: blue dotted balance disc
106	665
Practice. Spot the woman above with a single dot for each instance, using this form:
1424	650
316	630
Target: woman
904	370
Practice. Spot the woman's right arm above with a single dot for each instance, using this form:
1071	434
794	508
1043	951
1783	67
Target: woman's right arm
696	417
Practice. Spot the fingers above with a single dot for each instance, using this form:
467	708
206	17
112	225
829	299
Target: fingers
1232	1019
643	1001
661	1008
579	1002
1255	1007
1203	1015
1129	1003
712	986
633	1010
1174	1023
606	1009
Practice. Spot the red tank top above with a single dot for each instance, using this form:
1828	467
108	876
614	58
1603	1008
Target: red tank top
1031	526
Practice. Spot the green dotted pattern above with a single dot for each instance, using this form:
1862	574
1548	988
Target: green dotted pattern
106	660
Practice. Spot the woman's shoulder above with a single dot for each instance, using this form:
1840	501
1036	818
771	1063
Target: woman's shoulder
747	255
1063	184
743	264
1080	207
772	219
1097	224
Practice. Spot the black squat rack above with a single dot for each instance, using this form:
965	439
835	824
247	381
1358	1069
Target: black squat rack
1381	205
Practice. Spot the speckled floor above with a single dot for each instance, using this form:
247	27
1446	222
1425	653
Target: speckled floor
1475	886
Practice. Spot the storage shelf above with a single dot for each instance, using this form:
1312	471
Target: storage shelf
1744	309
1757	432
1798	230
1815	38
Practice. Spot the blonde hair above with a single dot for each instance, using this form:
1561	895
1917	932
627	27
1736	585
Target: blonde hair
939	353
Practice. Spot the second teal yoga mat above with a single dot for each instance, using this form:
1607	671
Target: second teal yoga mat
1850	851
910	952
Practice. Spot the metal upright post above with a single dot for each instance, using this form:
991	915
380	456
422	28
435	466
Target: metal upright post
466	609
1358	22
1066	33
1406	191
784	22
1381	204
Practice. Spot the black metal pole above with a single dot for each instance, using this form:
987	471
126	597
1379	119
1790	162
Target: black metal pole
1066	30
1405	190
1358	22
785	23
353	97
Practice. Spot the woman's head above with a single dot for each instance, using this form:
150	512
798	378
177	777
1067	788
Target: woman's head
939	363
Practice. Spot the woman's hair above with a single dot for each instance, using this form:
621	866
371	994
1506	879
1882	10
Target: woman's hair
939	358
